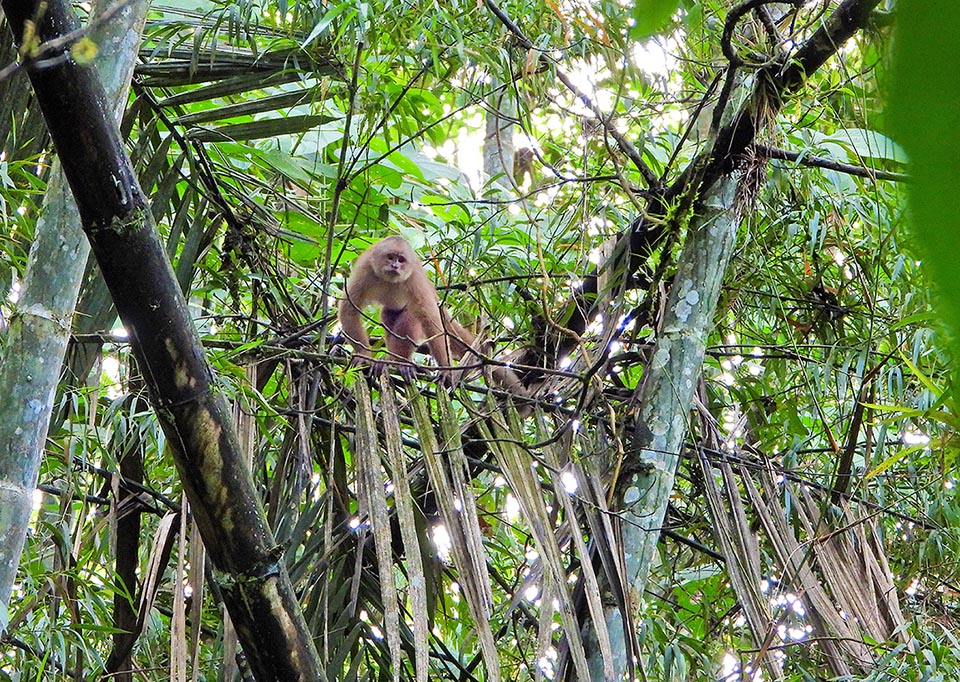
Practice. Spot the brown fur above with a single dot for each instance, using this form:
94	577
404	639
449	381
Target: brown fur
390	275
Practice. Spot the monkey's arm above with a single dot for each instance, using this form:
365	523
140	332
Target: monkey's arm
447	339
353	328
459	337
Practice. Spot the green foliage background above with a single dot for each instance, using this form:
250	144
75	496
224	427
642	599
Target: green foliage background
277	140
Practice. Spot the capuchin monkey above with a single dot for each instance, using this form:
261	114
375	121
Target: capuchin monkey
390	275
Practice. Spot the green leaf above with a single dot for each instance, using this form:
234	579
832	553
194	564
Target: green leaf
442	207
893	459
923	115
651	16
258	130
326	21
862	145
293	167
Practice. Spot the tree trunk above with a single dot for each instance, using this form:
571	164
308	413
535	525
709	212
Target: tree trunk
498	147
668	385
196	420
667	394
40	329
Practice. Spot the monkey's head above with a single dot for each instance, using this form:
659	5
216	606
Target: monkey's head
395	260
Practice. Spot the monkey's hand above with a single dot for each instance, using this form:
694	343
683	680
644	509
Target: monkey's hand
408	371
364	362
450	377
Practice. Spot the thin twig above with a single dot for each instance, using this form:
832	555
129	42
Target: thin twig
625	145
829	164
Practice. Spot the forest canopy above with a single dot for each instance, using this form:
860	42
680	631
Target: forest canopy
705	430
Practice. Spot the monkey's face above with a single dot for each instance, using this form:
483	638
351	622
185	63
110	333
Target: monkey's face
393	266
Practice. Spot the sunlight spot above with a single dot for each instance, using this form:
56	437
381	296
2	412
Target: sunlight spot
565	362
14	294
531	592
499	481
729	664
569	482
509	323
354	523
548	663
441	540
655	58
512	508
110	379
915	438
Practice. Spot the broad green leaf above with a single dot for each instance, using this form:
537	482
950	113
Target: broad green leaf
923	117
651	16
442	207
303	224
293	167
257	130
863	145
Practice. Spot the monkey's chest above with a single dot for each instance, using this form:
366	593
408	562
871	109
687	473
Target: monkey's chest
390	317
